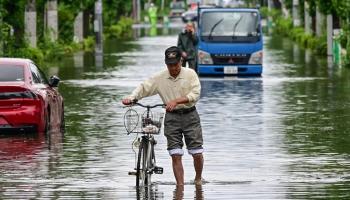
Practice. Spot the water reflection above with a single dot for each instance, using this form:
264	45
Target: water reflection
25	160
308	55
98	60
221	87
20	146
199	193
156	192
178	193
78	58
280	136
148	193
239	95
153	31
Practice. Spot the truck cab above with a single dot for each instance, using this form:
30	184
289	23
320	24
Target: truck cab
230	42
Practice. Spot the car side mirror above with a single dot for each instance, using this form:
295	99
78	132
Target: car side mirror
54	80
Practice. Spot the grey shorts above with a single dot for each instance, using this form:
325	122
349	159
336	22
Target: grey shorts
183	125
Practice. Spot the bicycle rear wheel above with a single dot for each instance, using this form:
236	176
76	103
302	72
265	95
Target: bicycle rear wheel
144	164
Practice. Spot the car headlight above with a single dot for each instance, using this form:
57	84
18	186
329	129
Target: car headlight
204	58
256	58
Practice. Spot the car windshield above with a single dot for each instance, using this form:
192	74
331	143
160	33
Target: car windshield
177	5
9	73
230	26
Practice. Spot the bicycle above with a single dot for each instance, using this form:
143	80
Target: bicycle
150	125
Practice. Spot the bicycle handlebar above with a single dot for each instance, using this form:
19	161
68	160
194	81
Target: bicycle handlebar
147	106
150	106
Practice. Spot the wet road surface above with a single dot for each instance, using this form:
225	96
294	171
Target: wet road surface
280	136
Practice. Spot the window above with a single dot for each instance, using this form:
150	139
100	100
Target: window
43	77
35	74
38	75
9	73
230	26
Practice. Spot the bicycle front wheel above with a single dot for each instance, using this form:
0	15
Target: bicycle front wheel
144	164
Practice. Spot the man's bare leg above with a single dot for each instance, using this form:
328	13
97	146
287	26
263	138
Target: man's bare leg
178	169
198	162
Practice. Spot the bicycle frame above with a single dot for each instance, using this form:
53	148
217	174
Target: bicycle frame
146	160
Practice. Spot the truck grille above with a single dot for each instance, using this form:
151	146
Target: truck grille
230	59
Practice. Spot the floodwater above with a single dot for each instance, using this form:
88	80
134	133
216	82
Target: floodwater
284	135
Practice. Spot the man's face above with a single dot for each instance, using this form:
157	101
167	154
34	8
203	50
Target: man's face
174	69
189	27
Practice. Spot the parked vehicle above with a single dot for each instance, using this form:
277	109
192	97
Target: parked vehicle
189	16
29	102
230	42
177	8
192	14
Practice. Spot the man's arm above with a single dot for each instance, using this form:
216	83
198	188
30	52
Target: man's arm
145	89
194	94
171	105
194	39
179	43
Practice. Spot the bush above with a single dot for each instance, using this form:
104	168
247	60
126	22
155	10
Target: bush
123	29
284	26
89	43
34	54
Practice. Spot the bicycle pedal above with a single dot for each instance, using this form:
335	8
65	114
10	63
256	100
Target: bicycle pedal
132	173
158	170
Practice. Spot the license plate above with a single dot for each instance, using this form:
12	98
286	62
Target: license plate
231	70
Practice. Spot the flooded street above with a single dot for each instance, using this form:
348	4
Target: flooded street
284	135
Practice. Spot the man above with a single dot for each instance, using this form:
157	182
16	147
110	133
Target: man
179	88
187	41
152	13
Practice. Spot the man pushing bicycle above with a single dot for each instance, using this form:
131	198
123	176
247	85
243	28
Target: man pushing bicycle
179	88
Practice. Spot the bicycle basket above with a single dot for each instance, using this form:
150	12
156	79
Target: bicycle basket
131	120
152	124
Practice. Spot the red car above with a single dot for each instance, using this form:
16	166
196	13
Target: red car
29	102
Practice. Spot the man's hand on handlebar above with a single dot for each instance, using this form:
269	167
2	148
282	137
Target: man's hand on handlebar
128	101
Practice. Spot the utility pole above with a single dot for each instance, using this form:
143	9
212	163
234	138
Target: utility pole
30	23
319	22
79	27
98	27
138	10
134	9
296	17
162	5
307	19
52	19
330	35
269	19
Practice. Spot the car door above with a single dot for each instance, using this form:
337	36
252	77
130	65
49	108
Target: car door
57	102
42	87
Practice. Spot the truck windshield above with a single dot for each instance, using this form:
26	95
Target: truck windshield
230	26
177	5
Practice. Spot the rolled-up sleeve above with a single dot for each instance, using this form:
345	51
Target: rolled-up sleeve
194	94
145	89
